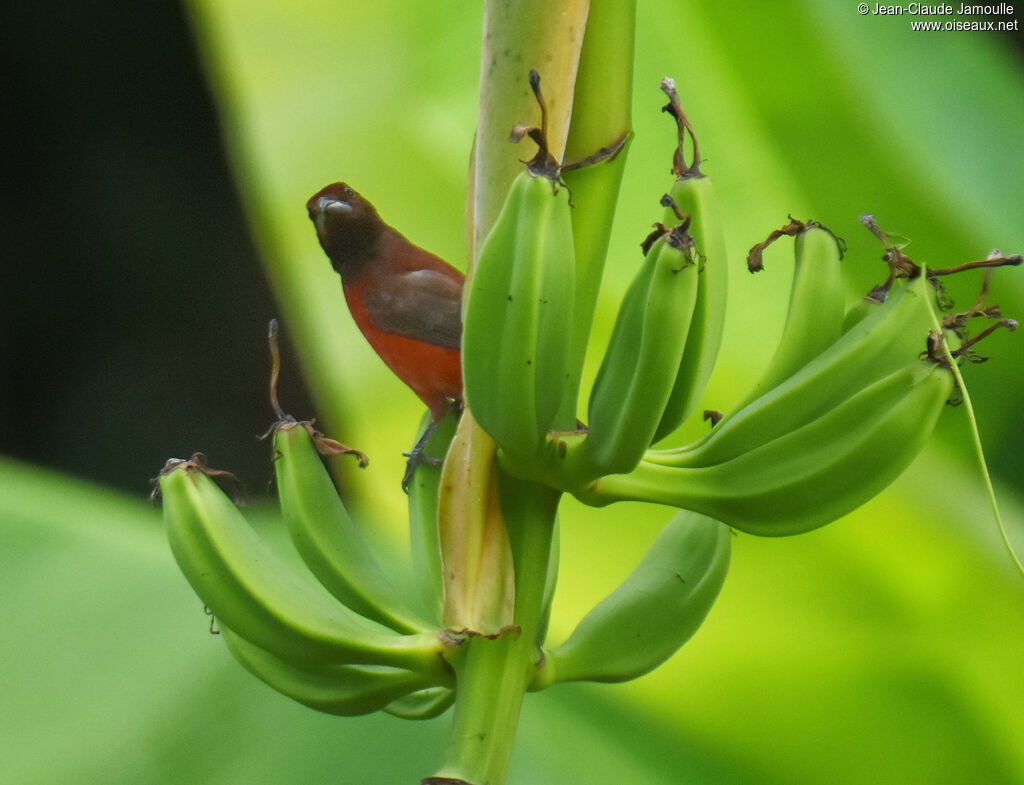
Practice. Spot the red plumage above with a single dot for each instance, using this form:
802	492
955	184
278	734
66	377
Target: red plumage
406	301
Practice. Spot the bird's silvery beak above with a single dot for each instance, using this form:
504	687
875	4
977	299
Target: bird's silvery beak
326	206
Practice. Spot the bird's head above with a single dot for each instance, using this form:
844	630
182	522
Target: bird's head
346	224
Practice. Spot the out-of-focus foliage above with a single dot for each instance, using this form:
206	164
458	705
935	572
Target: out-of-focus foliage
887	647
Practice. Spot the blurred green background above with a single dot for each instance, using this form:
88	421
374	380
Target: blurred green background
888	647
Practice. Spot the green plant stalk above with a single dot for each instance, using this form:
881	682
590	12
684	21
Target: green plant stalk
517	37
979	451
601	118
491	682
983	466
493	673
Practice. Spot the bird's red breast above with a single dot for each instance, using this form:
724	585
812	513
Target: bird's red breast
406	301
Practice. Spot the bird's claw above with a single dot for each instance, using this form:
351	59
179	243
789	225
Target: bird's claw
417	456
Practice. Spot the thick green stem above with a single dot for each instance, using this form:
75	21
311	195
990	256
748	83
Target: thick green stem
530	510
601	119
493	674
518	36
491	682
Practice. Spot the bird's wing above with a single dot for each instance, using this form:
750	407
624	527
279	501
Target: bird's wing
421	304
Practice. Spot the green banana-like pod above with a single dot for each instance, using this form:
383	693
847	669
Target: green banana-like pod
884	341
344	690
641	362
694	196
653	612
326	537
518	317
251	590
817	301
422	705
858	310
810	476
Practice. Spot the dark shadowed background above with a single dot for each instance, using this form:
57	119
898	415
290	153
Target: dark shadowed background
133	311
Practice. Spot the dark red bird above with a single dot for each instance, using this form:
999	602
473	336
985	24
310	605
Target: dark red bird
406	301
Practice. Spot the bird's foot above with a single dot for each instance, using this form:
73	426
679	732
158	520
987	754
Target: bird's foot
417	455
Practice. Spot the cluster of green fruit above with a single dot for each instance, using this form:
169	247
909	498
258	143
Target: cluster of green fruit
848	400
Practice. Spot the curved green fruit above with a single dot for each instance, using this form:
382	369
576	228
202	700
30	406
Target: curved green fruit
254	593
694	196
814	320
641	363
423	705
344	690
327	538
518	317
860	309
810	476
651	614
886	339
